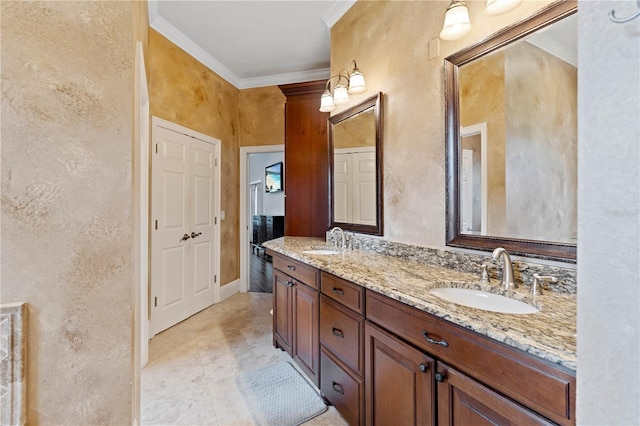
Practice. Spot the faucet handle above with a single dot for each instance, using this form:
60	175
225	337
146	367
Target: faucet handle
536	288
484	275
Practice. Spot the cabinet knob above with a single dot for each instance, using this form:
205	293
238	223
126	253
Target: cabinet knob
440	377
289	284
185	237
291	267
423	367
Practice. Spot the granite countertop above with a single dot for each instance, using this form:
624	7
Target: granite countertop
549	334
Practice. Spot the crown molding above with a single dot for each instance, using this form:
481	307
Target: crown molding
278	79
185	43
338	9
163	27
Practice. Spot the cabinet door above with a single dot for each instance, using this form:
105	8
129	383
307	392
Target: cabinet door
399	383
463	401
282	310
306	324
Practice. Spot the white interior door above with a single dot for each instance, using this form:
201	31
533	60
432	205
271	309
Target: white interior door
183	257
342	188
202	224
364	188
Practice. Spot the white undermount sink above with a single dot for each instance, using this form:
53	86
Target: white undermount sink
320	251
484	300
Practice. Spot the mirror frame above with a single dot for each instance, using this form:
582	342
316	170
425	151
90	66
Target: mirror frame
374	102
531	248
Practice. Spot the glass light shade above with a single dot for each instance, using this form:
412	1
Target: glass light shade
340	94
326	102
497	7
456	22
356	82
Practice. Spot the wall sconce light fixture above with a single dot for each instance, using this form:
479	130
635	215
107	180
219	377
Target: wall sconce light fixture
347	83
456	21
456	18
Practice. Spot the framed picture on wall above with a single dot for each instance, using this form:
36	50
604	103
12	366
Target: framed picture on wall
273	178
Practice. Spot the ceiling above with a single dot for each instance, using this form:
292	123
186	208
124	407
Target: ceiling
253	43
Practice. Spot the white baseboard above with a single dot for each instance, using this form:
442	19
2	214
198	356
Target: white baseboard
228	290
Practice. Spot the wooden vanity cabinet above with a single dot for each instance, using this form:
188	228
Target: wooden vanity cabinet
475	371
464	401
342	346
399	381
296	312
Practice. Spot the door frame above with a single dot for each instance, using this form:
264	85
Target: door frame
217	149
245	215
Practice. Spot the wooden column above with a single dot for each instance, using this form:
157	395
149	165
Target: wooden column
306	161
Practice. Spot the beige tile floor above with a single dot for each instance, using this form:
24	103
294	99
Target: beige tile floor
190	376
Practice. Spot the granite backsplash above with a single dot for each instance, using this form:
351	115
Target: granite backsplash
464	262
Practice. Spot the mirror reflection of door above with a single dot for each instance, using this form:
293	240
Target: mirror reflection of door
355	141
473	180
355	185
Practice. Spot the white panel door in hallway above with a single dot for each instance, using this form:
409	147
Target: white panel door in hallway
183	247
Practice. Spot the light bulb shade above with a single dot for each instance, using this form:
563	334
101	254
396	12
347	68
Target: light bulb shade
340	94
356	82
456	21
497	7
326	102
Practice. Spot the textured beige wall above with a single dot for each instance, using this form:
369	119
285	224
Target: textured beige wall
184	91
609	208
67	102
358	131
261	116
482	100
389	40
542	141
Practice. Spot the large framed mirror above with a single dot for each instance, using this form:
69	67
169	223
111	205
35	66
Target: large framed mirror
355	144
511	131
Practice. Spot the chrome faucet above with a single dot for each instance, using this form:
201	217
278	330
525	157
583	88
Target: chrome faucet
343	245
507	271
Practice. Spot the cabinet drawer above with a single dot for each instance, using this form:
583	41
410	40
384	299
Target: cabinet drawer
540	385
341	331
298	270
344	391
349	294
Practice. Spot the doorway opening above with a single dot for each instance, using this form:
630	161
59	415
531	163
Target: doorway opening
261	215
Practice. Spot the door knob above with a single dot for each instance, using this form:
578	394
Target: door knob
185	237
193	234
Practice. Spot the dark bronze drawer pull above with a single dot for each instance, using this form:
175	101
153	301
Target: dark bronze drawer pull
289	284
423	367
291	267
337	332
433	341
337	388
440	377
338	291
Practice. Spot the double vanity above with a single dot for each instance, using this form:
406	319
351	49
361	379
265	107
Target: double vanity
394	334
371	331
